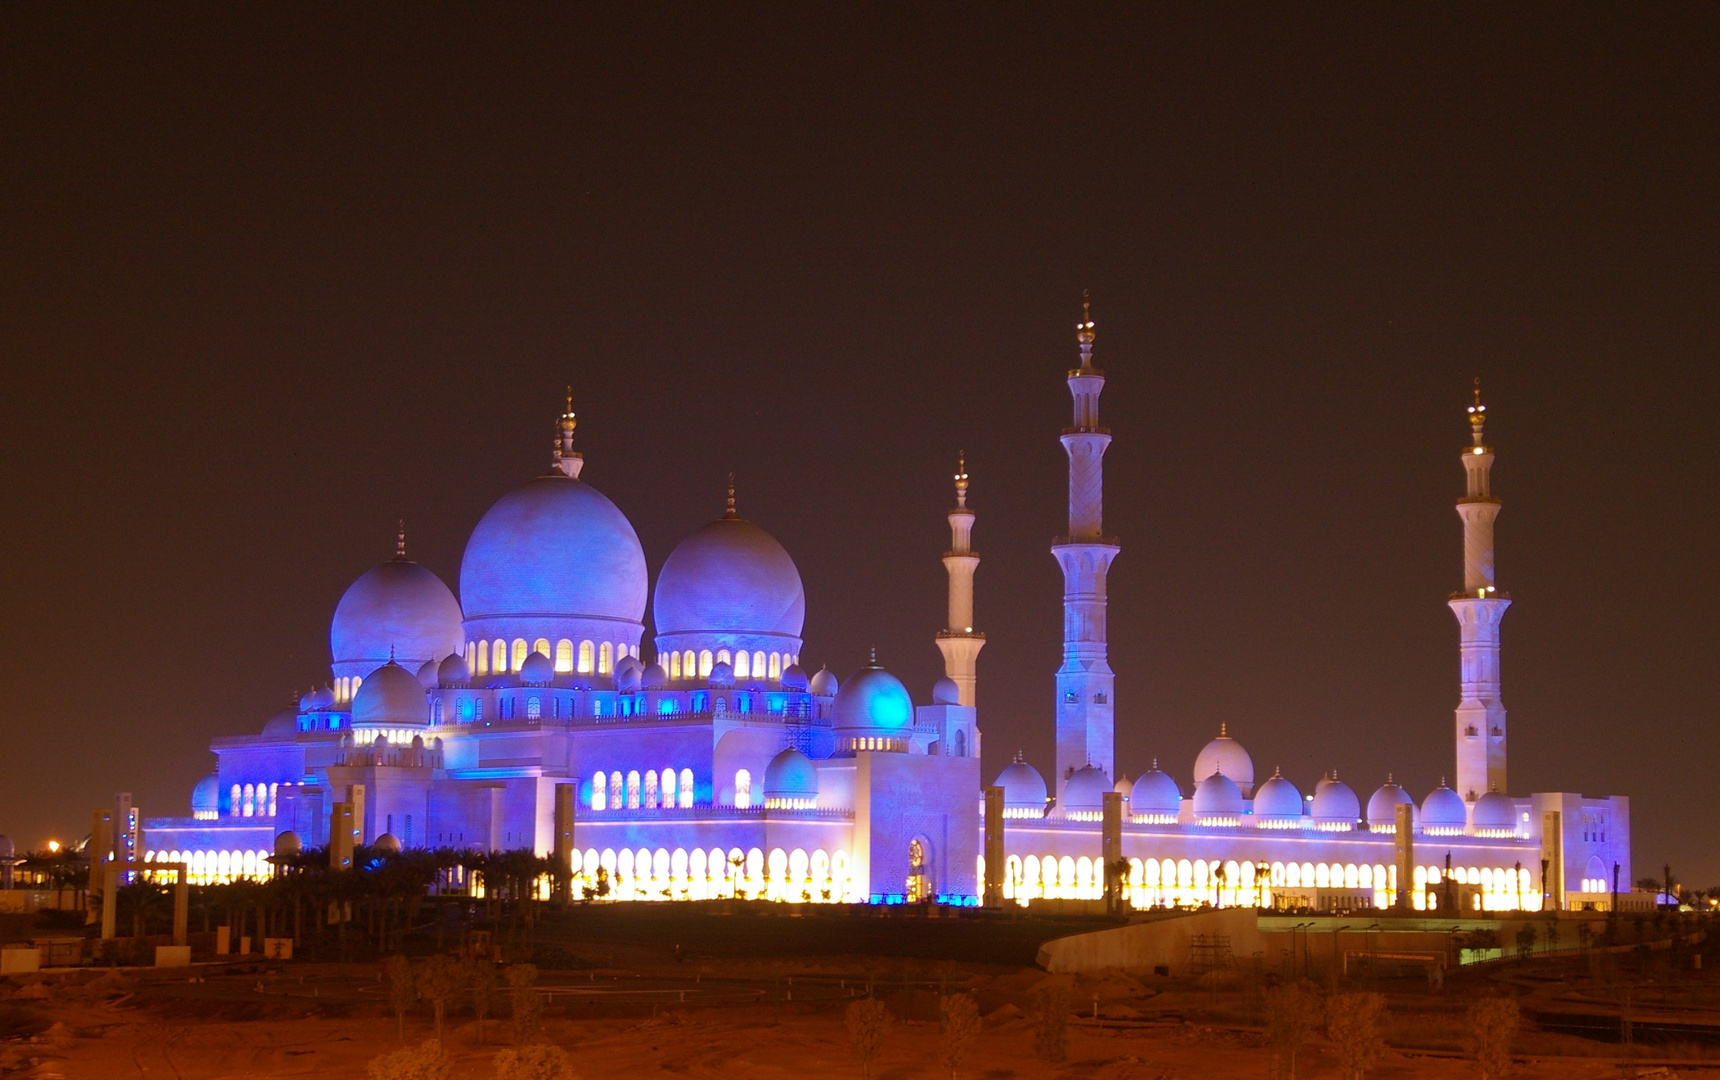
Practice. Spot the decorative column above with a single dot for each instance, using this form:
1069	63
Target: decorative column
1479	608
958	641
1085	729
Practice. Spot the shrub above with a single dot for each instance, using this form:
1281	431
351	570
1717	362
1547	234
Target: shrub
527	1002
1491	1024
481	979
1051	1023
1353	1023
868	1026
438	981
1292	1014
959	1016
423	1062
402	989
535	1063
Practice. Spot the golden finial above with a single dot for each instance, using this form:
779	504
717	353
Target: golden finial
568	420
1477	413
400	539
1084	328
731	510
961	479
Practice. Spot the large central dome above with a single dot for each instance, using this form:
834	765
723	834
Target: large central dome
554	560
730	577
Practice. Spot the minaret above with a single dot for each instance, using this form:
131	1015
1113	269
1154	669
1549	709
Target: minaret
959	643
1085	729
567	459
1480	607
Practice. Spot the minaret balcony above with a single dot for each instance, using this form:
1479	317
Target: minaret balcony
1086	541
1474	594
974	634
1086	431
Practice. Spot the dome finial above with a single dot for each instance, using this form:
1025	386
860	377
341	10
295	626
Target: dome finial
1084	329
730	512
1477	414
400	540
961	479
391	653
1222	732
872	657
566	459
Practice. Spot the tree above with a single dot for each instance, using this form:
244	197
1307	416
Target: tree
868	1026
1051	1023
423	1062
959	1017
481	978
438	981
535	1063
402	989
1292	1014
527	1002
1491	1025
1353	1024
1526	938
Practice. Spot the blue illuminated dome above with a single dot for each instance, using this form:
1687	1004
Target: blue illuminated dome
873	702
1443	812
791	776
1155	795
538	670
1218	797
1336	808
1224	754
728	585
206	797
452	672
1277	802
823	684
390	696
554	560
946	692
1382	806
1023	789
397	610
283	724
1494	815
1085	791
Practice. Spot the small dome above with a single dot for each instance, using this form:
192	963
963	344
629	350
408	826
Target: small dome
873	700
427	674
629	662
1218	797
793	677
823	684
722	674
1155	794
390	696
1336	807
1084	793
1023	788
1383	804
538	670
1494	814
1443	812
398	609
307	703
452	672
1225	755
1124	786
387	844
321	699
283	724
1277	801
653	677
946	692
791	775
627	679
288	844
206	796
729	577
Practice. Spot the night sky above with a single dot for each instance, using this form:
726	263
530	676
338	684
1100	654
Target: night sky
270	280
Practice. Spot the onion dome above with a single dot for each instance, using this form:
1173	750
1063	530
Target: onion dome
390	696
288	844
722	674
427	674
629	662
1443	812
873	702
729	584
282	725
792	778
793	677
396	610
1225	755
1494	814
946	692
628	675
1336	808
387	844
1277	803
1218	801
1124	786
1383	804
206	797
307	703
823	684
653	677
538	670
1155	796
554	560
1084	792
452	672
1023	789
322	698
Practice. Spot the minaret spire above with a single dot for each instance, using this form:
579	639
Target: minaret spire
1085	717
567	459
1479	608
400	540
958	641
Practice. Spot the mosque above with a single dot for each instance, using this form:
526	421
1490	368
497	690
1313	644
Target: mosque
529	711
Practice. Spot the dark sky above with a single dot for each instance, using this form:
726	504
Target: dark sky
271	280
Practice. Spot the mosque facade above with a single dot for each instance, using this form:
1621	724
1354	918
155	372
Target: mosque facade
707	762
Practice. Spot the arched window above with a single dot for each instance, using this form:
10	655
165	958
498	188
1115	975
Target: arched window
250	800
705	661
499	656
723	657
482	667
758	665
743	789
357	681
776	665
633	791
605	658
585	657
274	790
743	668
615	789
534	708
236	801
598	791
564	656
650	790
674	665
521	651
686	787
541	645
961	743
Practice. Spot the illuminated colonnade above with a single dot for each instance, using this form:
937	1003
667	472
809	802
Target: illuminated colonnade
216	867
663	874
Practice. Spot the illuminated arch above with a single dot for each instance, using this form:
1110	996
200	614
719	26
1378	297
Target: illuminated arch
564	656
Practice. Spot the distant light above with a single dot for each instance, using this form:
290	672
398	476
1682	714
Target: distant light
54	846
967	630
1477	450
